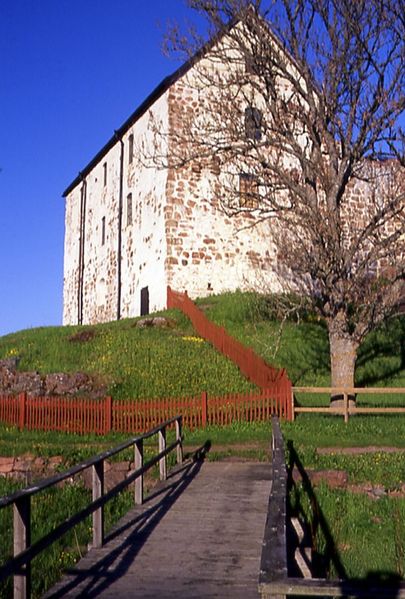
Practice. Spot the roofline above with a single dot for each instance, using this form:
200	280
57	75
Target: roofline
118	133
161	88
167	82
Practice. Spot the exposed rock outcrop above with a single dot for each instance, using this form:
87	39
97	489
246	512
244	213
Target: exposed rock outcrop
34	384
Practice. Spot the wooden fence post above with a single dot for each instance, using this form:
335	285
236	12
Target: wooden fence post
250	358
346	406
98	514
138	448
204	408
108	415
162	447
22	405
180	441
292	405
22	540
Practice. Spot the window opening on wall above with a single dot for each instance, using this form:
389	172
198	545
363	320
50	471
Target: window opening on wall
250	64
103	230
105	174
253	123
130	148
248	191
129	209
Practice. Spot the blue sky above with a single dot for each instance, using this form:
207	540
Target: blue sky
71	72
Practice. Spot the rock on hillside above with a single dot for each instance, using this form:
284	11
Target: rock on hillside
13	382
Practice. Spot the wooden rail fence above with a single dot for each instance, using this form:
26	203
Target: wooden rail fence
347	408
82	416
24	551
249	363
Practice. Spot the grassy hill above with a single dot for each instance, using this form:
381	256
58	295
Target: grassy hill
300	344
171	361
153	362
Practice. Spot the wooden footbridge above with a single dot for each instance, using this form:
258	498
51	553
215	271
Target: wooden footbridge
208	529
198	534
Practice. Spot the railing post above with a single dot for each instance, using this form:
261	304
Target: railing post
204	408
179	448
292	405
346	406
98	514
162	447
108	414
138	448
22	540
22	407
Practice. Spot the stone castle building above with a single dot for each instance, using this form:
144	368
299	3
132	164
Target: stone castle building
133	227
143	214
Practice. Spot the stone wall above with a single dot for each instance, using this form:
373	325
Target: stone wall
207	250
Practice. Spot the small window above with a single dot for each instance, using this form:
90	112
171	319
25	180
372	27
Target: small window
130	148
105	174
103	230
250	64
129	209
248	191
253	123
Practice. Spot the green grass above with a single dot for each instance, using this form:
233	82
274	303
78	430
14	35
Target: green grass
132	362
367	535
315	430
136	363
172	361
48	509
301	344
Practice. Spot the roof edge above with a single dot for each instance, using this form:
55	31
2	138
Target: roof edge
159	90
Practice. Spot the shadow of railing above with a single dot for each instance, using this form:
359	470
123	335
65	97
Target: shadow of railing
275	579
322	564
135	529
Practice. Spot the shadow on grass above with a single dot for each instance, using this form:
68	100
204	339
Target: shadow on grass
309	354
384	584
321	563
382	355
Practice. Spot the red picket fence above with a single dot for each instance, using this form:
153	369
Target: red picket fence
249	363
80	415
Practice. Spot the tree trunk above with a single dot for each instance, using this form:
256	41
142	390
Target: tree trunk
343	351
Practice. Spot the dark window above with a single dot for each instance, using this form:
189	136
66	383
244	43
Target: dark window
105	174
248	191
253	123
103	230
129	209
130	148
250	64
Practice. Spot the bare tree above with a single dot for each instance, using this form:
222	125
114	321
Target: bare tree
305	99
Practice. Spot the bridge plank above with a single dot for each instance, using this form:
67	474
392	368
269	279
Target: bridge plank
198	535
